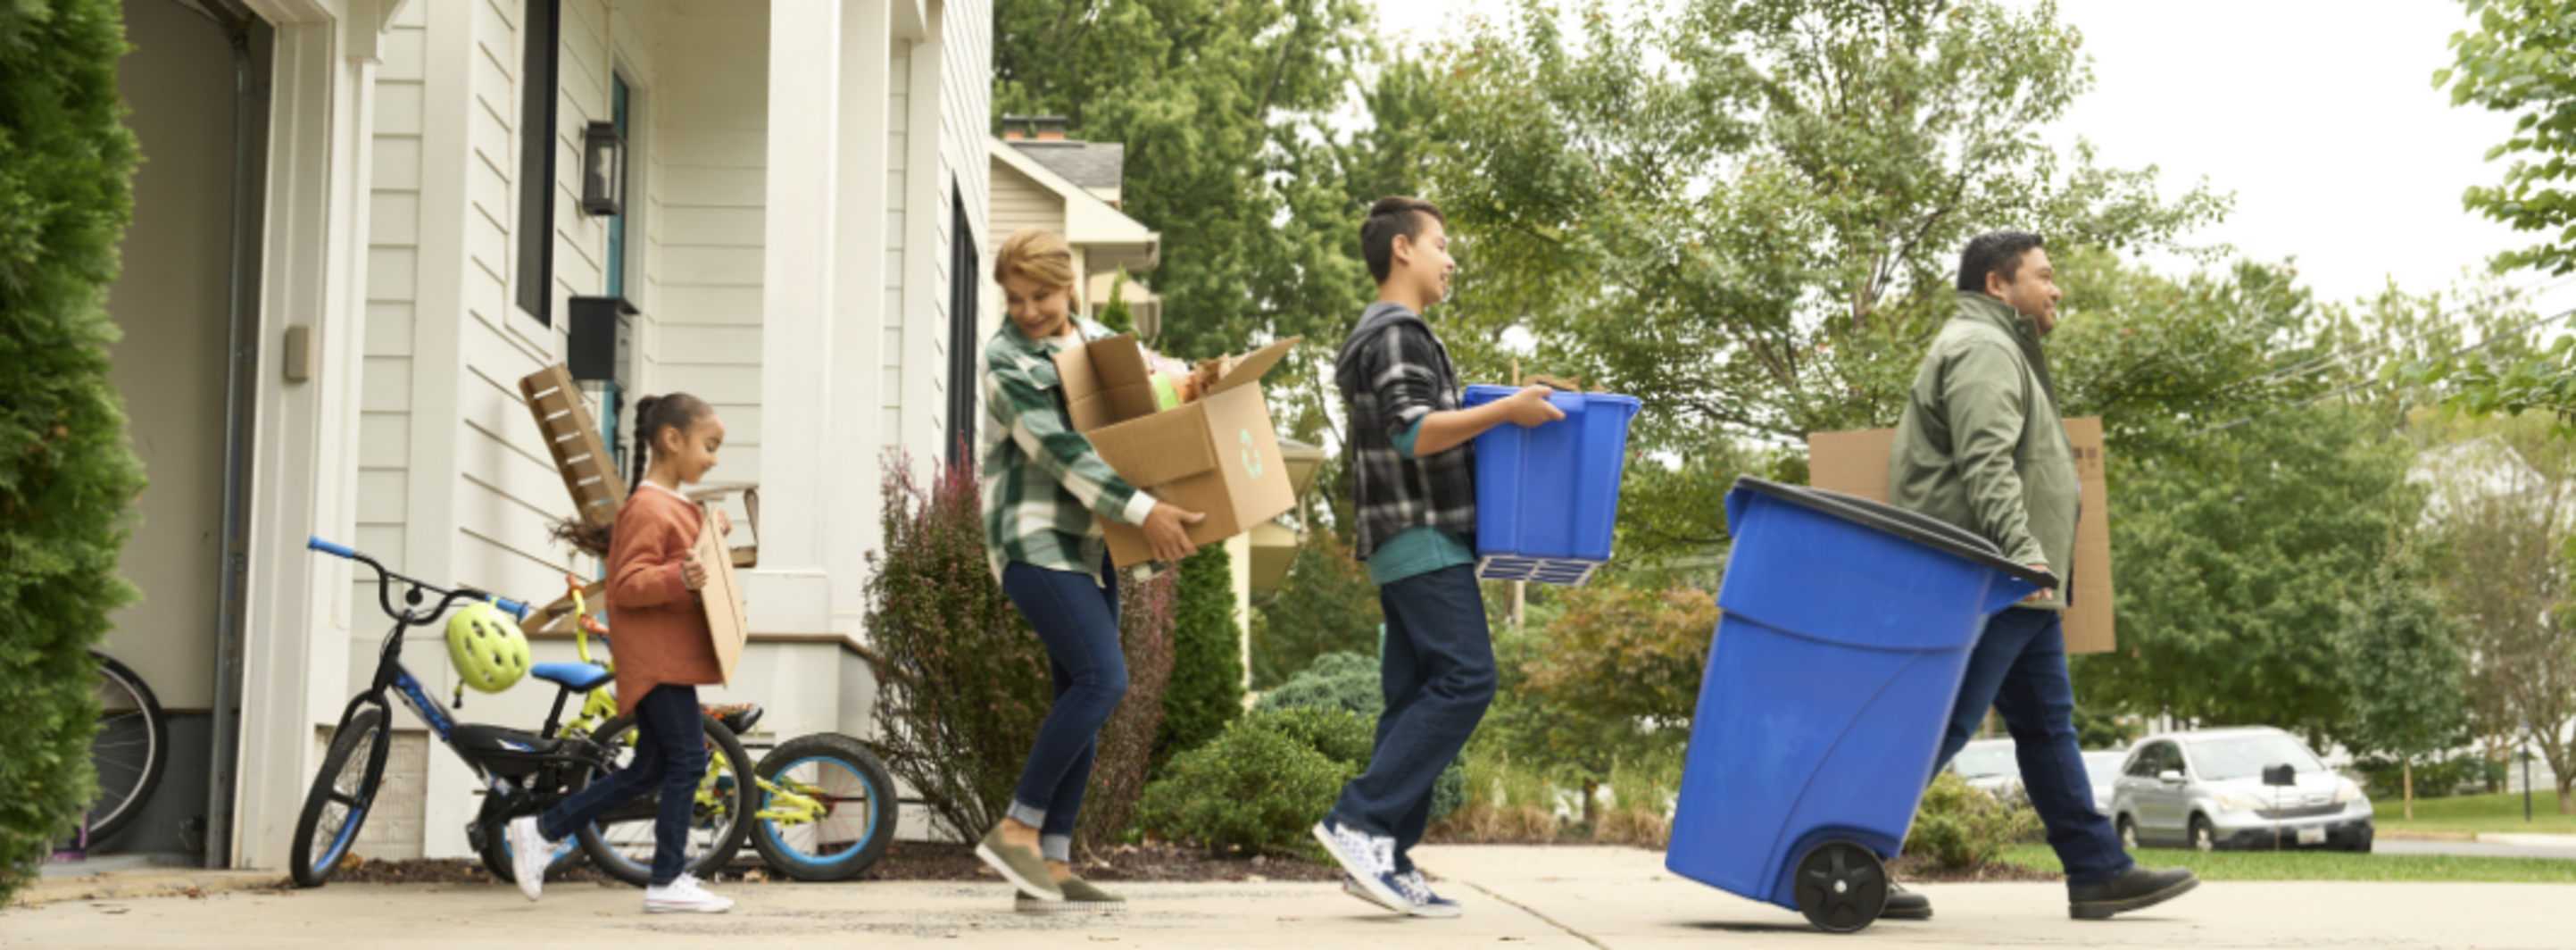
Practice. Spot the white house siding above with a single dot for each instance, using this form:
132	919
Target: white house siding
965	125
1021	202
711	114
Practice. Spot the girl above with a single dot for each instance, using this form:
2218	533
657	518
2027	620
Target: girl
664	651
1045	490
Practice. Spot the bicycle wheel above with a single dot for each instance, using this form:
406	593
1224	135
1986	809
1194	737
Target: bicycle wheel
622	842
851	816
130	749
495	852
337	806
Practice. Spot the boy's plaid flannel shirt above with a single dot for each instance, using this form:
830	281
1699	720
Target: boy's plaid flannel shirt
1045	489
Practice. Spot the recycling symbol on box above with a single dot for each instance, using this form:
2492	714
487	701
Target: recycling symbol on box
1251	455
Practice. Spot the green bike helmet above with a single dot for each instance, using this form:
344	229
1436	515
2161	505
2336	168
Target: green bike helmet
490	652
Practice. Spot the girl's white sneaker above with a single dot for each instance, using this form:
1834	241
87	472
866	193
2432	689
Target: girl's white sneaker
684	896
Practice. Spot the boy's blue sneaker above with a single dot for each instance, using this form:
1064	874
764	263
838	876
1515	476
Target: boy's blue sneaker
1352	887
1420	902
1368	859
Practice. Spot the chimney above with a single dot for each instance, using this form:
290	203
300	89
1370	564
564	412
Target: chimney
1050	128
1014	128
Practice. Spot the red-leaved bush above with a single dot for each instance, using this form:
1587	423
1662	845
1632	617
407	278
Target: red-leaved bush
962	680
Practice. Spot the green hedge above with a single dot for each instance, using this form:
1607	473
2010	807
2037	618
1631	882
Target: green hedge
1257	787
1206	691
1350	682
67	475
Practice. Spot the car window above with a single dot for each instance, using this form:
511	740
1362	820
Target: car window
2101	766
1988	762
2144	765
2236	757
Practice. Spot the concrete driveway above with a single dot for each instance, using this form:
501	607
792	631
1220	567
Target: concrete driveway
1562	897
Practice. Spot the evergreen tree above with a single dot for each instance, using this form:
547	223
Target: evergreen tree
67	474
1206	689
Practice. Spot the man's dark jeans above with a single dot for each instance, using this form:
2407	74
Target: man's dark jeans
1437	669
2019	668
1077	618
670	754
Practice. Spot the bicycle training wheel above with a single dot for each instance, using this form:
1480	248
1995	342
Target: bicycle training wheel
130	749
337	806
824	808
622	842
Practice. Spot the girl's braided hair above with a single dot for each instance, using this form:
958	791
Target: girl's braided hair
652	415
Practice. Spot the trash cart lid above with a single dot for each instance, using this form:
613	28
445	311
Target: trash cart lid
1912	526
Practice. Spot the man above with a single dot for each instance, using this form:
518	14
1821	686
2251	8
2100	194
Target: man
1981	446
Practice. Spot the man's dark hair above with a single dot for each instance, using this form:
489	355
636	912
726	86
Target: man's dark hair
1994	252
1389	217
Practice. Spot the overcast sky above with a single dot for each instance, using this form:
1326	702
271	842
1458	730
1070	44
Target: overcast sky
2320	116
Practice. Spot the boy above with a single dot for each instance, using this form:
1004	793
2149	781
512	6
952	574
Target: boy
1413	471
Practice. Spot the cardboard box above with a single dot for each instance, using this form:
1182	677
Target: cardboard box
1855	463
1218	455
722	595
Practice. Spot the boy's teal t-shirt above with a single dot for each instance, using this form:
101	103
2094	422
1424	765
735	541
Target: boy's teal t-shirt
1416	551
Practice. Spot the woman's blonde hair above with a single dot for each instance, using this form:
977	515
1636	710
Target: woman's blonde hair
1037	254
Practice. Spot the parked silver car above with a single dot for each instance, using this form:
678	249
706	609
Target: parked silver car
2204	789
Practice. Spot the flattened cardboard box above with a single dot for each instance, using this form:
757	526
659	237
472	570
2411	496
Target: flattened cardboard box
722	597
1855	463
1218	455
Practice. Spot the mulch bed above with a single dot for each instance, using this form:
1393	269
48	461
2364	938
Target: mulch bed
917	861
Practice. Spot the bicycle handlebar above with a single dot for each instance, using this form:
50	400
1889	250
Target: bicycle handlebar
326	547
384	587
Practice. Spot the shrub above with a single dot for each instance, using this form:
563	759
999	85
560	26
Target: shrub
1206	689
1960	828
1327	605
67	475
1505	803
1258	786
962	680
1349	682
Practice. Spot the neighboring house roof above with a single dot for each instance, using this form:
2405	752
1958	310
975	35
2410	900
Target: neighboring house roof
1095	166
1109	238
2481	467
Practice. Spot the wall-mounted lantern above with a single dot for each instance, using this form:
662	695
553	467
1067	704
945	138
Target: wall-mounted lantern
603	170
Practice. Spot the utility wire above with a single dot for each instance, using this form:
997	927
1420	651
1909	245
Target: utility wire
2479	345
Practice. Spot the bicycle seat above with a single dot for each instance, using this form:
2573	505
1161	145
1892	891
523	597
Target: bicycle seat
738	718
578	677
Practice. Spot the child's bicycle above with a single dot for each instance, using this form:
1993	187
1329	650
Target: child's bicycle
523	773
824	807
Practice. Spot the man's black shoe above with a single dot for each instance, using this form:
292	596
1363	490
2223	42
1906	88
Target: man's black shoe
1903	904
2134	889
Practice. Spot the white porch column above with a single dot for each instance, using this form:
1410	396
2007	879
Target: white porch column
792	592
858	312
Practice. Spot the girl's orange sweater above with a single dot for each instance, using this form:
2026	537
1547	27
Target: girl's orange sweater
656	627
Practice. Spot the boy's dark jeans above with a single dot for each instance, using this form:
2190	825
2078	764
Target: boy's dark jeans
1437	669
2019	668
671	754
1077	618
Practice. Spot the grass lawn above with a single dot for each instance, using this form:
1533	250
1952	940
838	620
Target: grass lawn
2476	813
2330	866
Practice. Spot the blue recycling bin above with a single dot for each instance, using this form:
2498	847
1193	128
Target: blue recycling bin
1846	628
1547	496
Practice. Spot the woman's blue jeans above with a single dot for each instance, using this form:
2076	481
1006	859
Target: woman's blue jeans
1077	618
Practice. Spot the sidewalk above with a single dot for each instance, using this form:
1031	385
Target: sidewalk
1539	898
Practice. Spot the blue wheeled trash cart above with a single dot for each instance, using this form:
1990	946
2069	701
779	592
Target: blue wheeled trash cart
1846	628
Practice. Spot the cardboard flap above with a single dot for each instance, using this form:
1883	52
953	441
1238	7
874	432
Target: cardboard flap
1157	450
1105	382
1249	369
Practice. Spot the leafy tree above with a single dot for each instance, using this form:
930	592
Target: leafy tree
2232	566
67	475
1628	654
1327	605
2406	680
2515	62
1748	213
1206	689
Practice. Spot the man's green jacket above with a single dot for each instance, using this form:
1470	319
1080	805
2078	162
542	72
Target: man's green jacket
1981	445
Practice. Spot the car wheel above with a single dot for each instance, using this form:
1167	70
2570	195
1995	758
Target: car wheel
2128	833
2203	837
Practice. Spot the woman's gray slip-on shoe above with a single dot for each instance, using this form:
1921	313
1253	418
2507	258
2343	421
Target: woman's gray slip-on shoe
1080	897
1023	866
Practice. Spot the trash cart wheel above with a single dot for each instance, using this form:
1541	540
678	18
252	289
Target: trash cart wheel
1841	887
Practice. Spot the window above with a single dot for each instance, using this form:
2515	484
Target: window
537	84
2150	761
965	282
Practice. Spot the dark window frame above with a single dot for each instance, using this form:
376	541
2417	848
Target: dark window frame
965	286
539	82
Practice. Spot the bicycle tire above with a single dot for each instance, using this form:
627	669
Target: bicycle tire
631	825
312	869
495	853
129	716
835	849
